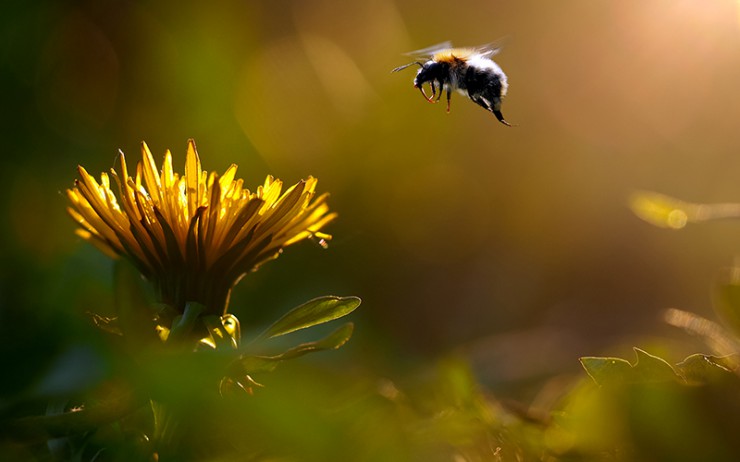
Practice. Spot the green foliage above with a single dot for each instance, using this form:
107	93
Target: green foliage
651	410
706	369
614	371
250	364
606	370
311	313
182	364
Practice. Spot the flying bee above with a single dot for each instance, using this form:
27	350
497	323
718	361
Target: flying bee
470	71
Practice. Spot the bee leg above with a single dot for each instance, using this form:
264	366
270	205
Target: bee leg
449	95
434	92
500	117
485	104
428	98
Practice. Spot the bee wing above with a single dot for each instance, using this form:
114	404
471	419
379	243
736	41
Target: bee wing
491	48
487	52
429	51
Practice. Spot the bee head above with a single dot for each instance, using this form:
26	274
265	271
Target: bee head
429	72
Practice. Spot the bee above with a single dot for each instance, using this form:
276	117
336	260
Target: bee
470	71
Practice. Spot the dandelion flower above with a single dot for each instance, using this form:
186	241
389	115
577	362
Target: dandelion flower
193	236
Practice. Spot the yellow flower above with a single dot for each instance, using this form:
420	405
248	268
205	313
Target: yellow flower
193	236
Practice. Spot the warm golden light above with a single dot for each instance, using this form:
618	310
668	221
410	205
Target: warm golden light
667	212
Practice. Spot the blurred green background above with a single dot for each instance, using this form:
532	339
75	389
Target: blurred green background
514	246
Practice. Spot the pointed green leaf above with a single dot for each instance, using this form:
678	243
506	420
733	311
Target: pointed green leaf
650	368
332	341
699	368
246	365
607	370
311	313
612	371
250	364
39	428
730	362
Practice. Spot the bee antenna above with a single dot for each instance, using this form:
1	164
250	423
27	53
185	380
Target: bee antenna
400	68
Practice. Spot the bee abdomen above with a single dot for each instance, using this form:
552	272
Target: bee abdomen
486	86
484	82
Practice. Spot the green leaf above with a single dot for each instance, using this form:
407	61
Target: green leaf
39	429
699	368
650	368
607	370
730	362
613	371
331	342
312	313
246	364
